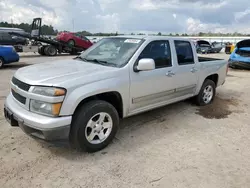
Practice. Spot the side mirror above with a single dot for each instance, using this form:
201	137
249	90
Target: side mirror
145	64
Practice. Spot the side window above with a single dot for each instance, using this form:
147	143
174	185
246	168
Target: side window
160	52
184	52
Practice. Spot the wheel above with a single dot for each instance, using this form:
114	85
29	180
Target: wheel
41	50
1	62
94	126
71	42
45	50
50	50
206	94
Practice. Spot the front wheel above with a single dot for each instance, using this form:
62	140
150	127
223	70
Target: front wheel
94	126
71	42
206	94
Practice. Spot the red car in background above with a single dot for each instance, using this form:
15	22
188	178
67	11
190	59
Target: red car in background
74	39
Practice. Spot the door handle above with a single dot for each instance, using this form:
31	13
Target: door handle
170	74
193	70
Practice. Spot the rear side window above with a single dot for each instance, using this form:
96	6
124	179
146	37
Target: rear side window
159	51
184	52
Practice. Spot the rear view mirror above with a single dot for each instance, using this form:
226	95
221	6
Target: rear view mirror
145	64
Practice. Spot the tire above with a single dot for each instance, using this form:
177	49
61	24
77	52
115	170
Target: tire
41	50
51	50
45	50
209	85
81	129
71	42
1	62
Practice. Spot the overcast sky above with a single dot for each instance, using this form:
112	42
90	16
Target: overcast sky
189	16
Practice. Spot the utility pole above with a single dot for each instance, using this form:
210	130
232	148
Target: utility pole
12	22
73	25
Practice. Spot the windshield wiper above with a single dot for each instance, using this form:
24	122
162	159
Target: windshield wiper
102	62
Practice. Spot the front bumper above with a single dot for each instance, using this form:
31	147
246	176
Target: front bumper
43	127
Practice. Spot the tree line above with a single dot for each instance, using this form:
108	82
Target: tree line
49	30
45	30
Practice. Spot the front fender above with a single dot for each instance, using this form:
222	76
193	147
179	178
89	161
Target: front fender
75	96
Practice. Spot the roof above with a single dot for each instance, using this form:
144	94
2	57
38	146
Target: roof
147	37
10	28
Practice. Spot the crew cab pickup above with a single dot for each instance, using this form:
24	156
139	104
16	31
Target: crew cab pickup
83	99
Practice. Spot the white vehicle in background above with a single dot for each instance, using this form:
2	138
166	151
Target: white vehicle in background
83	99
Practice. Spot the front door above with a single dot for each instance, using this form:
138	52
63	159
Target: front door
152	88
186	72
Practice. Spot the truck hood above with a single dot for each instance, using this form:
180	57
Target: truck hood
58	73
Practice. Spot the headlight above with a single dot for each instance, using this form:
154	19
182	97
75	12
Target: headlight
45	108
49	91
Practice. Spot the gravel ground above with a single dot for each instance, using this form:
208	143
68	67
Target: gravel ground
179	145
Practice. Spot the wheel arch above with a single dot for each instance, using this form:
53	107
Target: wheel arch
2	58
112	97
213	77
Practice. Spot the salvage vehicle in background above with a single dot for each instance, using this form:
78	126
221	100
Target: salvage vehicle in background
45	45
8	55
7	39
203	46
74	39
240	57
82	100
216	47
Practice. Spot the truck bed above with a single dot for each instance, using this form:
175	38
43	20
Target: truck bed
202	59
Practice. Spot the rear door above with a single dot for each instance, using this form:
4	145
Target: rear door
187	69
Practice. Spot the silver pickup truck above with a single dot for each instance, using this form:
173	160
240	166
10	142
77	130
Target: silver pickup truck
83	99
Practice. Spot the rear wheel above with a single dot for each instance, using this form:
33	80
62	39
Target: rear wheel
94	126
207	93
1	62
50	50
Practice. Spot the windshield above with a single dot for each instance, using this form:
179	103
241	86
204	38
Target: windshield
112	51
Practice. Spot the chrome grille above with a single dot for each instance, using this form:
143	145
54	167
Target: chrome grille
18	97
20	84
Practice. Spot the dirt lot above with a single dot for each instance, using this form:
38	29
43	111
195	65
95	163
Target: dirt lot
180	145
